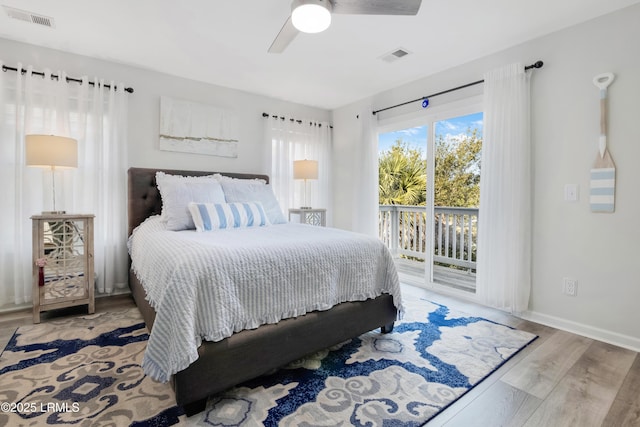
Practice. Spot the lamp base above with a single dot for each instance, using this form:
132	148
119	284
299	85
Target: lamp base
54	212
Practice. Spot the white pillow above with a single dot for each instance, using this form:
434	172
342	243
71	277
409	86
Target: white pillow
252	190
214	216
221	178
178	191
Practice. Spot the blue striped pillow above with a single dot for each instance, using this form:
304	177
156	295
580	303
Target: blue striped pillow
214	216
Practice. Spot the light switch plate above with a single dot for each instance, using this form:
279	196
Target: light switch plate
571	192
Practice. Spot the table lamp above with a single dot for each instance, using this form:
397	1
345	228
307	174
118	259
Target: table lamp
305	169
50	151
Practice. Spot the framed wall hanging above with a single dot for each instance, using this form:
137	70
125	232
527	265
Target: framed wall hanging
192	127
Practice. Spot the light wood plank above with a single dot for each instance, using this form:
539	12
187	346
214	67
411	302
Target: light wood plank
630	390
584	396
542	369
625	410
500	405
542	331
16	319
623	414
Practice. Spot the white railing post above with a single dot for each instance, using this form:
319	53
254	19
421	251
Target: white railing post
395	234
403	230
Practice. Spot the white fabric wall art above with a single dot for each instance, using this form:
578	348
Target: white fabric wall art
191	127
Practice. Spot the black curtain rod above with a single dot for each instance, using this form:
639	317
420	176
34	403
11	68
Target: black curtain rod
292	120
538	64
54	76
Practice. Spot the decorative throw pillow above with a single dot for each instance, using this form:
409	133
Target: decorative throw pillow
214	216
252	190
178	191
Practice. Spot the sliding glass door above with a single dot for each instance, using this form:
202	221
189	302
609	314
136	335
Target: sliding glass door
456	200
402	185
429	186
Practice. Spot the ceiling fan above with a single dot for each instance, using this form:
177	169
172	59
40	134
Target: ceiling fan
314	16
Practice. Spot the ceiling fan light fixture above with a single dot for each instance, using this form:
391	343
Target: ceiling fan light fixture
311	16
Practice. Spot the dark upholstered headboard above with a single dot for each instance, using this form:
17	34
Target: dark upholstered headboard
144	197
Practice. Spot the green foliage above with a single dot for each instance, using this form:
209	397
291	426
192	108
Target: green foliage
402	176
402	173
457	171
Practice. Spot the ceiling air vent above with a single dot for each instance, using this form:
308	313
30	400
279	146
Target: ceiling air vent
395	55
34	18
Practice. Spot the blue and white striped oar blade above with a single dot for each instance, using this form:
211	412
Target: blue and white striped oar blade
603	174
603	187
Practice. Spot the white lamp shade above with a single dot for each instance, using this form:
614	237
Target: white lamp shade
311	16
51	151
305	169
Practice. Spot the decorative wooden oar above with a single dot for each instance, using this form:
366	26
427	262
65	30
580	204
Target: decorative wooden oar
603	173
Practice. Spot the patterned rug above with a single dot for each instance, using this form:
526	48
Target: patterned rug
86	371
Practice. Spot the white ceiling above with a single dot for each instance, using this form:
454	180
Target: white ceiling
225	42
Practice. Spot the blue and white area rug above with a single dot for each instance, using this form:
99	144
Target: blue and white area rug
82	371
86	371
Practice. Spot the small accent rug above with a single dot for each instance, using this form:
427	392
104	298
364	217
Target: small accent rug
86	371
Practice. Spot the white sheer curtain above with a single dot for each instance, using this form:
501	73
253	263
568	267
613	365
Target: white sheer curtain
365	175
96	117
291	141
504	225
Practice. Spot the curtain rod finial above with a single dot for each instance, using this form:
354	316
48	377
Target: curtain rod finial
537	64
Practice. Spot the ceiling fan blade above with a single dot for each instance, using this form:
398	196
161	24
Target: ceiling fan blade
287	33
376	7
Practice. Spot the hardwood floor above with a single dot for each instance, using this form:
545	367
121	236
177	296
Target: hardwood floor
561	379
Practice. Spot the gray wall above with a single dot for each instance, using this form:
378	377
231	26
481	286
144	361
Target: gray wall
144	108
599	250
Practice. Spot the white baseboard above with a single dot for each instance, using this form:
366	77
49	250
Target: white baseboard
604	335
11	308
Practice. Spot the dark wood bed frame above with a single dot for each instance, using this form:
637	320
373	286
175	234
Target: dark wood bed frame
250	353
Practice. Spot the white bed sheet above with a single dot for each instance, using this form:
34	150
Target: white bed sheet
206	286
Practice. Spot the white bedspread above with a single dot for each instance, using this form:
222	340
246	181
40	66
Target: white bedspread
206	286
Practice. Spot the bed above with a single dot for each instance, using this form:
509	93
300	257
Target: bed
248	353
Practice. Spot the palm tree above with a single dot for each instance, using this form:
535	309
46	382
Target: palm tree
402	176
402	180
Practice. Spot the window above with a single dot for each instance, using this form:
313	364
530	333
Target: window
429	191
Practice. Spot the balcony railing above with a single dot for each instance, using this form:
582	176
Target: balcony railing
404	230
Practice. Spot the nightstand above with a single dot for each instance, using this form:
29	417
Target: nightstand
310	216
63	270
